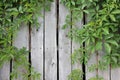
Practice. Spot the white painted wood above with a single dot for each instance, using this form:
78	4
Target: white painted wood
103	73
37	48
90	62
21	41
115	74
50	44
64	46
5	72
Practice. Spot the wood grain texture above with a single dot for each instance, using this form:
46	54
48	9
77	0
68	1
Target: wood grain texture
5	72
90	62
115	74
103	73
37	47
44	49
50	44
21	41
64	46
76	46
93	60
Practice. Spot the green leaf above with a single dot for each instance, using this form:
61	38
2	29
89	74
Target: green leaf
86	11
109	36
106	30
12	9
107	47
75	75
116	12
20	9
112	42
98	45
92	49
114	59
112	17
72	2
96	78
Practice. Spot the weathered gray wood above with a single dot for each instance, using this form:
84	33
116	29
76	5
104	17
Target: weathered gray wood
5	72
76	46
22	37
50	44
103	73
64	46
21	41
93	60
115	74
37	47
90	62
65	50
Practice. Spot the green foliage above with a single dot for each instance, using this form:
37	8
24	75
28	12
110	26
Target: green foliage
75	75
13	13
100	33
96	78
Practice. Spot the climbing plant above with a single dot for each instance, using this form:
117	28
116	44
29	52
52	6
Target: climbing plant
13	13
100	34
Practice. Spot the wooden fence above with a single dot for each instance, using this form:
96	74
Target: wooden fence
51	49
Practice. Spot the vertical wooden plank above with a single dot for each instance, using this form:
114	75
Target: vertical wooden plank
64	46
101	73
21	41
76	46
37	48
90	62
93	58
50	44
5	72
115	74
104	73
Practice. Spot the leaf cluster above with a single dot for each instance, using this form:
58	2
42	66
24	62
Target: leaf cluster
75	75
101	33
14	13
